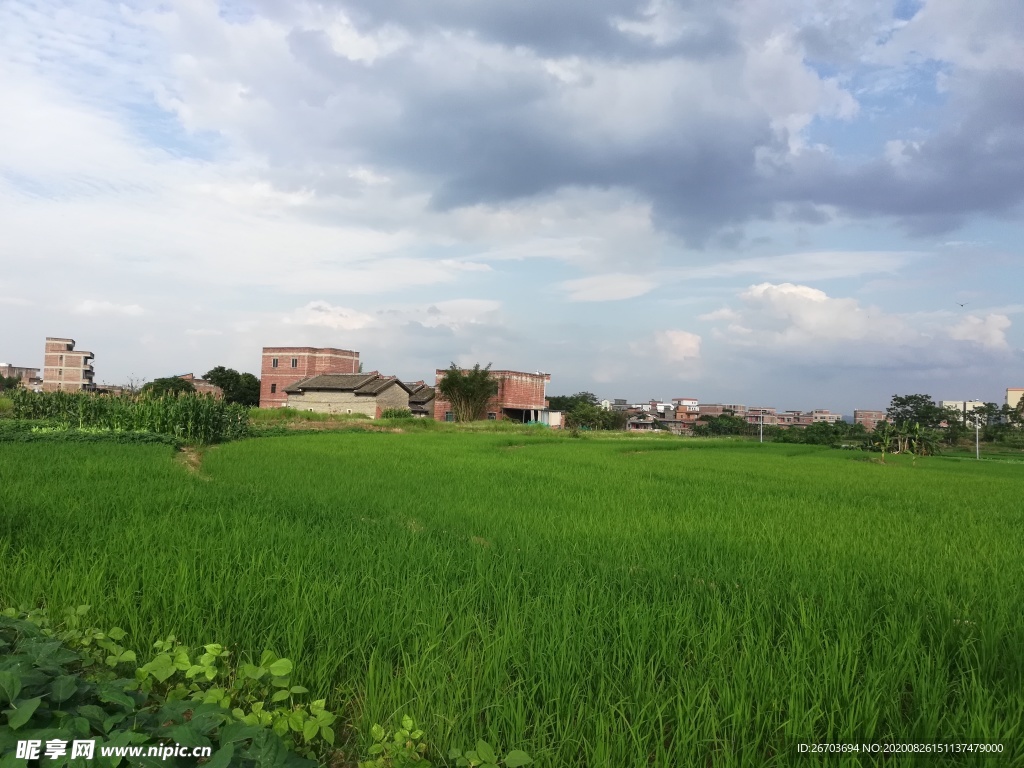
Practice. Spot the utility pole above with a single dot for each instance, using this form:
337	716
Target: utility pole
977	438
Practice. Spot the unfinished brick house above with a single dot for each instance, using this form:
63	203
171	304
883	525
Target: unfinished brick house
202	386
29	377
65	368
365	393
283	366
520	397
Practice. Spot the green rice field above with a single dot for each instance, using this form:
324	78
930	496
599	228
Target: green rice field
606	603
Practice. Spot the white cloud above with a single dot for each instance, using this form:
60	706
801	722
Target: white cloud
988	331
93	307
811	265
454	314
807	323
608	287
15	301
677	346
321	313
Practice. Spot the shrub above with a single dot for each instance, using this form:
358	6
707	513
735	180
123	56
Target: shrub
75	682
396	413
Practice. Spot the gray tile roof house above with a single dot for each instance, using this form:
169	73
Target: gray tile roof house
365	393
421	401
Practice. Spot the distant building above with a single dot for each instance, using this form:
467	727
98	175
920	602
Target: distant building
870	419
65	368
202	386
687	411
281	367
761	416
521	397
640	423
29	377
722	409
1014	396
618	404
365	393
825	415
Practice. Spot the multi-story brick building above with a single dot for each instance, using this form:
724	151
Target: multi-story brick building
761	415
29	377
870	419
521	396
283	366
825	415
65	368
687	411
720	409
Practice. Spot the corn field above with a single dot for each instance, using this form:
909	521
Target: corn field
190	417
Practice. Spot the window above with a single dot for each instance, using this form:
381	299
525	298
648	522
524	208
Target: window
449	416
62	359
273	363
295	362
273	389
348	410
492	416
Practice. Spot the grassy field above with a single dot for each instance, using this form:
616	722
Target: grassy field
614	602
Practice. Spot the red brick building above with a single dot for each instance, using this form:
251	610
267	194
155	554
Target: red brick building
283	366
870	419
203	387
66	369
29	377
521	396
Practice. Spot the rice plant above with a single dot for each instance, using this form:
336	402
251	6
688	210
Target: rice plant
612	602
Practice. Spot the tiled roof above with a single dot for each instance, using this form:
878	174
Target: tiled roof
359	383
421	394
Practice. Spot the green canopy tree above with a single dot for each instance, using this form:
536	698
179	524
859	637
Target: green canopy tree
171	385
241	388
468	391
914	409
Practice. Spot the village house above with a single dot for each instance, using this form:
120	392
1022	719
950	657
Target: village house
521	397
349	393
421	400
202	386
29	377
65	368
869	419
281	367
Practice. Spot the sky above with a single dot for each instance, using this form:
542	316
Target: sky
791	203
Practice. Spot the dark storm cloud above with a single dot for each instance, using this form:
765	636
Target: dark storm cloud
972	165
493	131
561	28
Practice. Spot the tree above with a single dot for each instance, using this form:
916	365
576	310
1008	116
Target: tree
241	388
469	391
9	382
914	409
568	402
169	386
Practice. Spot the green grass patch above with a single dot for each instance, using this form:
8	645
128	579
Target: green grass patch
595	601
